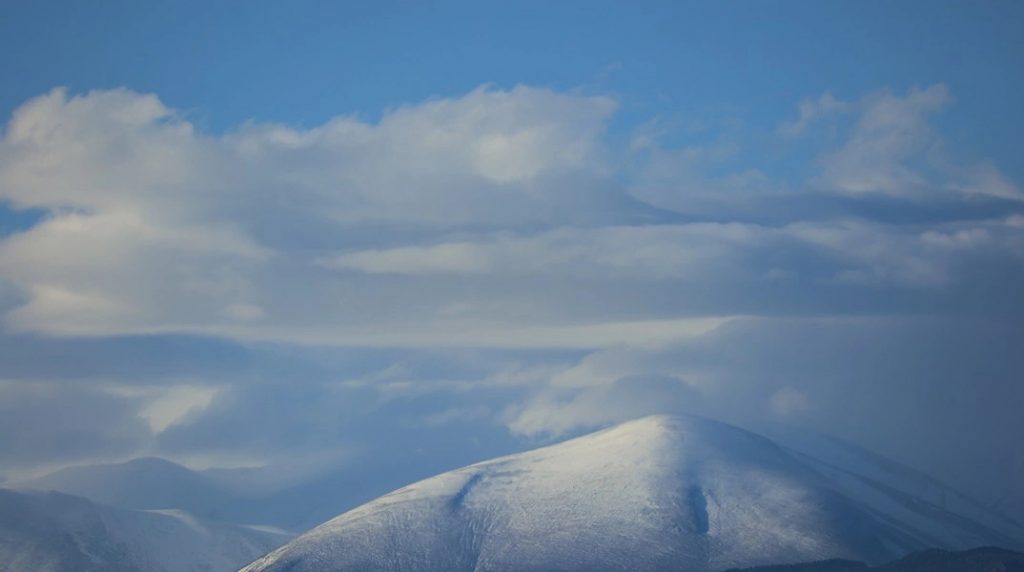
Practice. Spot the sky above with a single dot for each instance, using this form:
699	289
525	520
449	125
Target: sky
312	236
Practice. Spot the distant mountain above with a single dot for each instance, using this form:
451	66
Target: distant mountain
146	483
55	532
985	559
660	493
230	495
830	565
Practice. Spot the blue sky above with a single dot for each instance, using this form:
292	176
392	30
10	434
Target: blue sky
452	230
305	62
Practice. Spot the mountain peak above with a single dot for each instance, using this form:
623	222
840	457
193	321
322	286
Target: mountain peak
654	493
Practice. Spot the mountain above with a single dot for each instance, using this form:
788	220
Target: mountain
240	495
984	559
659	493
146	483
55	532
830	565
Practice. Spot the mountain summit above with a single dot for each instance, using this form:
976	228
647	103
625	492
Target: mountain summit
658	493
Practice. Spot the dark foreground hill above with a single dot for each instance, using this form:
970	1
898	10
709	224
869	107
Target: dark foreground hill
987	559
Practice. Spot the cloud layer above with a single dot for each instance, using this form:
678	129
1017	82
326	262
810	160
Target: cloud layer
507	260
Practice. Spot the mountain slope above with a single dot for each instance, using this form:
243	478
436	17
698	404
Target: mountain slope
658	493
55	532
841	460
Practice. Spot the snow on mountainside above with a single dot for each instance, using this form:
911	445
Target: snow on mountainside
659	493
842	460
55	532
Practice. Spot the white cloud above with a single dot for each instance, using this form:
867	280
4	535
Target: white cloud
498	218
508	334
614	384
555	413
165	406
489	156
118	271
893	149
649	251
891	132
155	227
985	179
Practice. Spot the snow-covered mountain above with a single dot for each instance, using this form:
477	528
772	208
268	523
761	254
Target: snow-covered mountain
55	532
659	493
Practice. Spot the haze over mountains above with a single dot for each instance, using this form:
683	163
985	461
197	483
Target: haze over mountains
145	483
229	495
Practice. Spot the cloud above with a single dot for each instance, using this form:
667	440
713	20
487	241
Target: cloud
904	255
488	156
658	251
893	149
167	406
154	227
940	393
500	264
811	111
117	271
556	414
708	179
851	250
474	220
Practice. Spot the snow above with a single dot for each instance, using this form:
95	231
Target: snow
842	460
656	493
55	532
